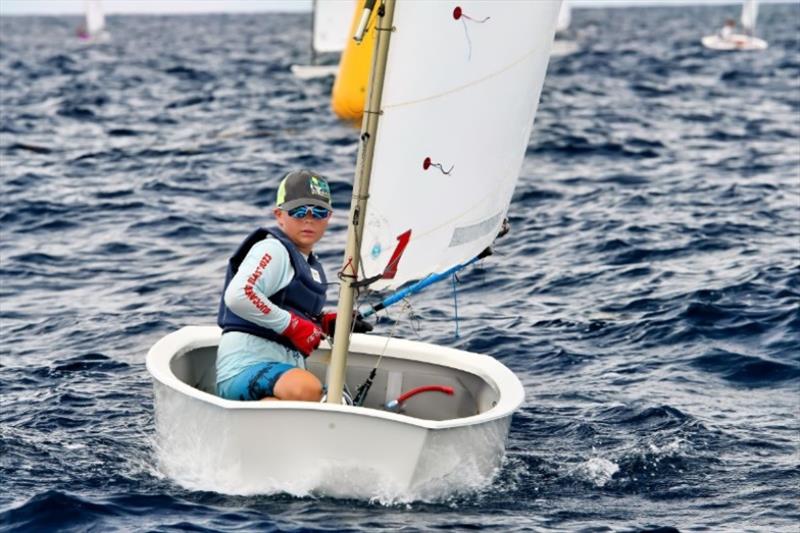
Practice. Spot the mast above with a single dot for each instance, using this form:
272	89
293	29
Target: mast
358	202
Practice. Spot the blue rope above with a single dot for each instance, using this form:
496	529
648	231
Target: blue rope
455	302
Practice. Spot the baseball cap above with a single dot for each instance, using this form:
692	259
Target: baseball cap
303	187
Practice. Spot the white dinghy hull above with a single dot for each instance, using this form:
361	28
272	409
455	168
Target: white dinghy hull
310	72
442	446
734	42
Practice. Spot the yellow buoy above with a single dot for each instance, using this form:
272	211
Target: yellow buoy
350	87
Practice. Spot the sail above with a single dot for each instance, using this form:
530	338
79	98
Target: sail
564	16
95	20
331	24
749	15
460	93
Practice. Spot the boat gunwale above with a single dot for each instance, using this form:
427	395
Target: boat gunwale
493	372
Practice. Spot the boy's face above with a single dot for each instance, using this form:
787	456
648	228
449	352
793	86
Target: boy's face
304	232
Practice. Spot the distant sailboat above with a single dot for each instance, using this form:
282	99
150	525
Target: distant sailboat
564	17
330	22
451	103
562	45
93	28
727	40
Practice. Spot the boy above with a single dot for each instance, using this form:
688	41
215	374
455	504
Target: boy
271	307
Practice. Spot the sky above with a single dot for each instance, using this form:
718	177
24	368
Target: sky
75	7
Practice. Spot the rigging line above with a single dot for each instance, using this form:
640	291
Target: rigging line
406	305
455	302
467	85
363	389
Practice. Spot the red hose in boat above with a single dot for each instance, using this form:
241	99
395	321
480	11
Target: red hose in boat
425	388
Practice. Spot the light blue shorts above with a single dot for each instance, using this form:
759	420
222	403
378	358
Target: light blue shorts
254	382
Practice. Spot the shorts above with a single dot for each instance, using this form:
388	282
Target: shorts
254	382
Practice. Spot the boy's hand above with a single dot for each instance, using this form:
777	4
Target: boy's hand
328	321
304	334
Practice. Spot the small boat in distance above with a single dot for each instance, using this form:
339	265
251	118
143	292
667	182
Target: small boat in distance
728	40
330	24
563	45
93	29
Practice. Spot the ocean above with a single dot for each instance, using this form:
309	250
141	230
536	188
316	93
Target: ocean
647	296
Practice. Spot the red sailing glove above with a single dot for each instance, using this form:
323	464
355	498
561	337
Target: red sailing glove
328	321
304	334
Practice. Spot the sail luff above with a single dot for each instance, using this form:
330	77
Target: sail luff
358	204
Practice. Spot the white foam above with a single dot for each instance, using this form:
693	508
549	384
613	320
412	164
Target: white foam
597	470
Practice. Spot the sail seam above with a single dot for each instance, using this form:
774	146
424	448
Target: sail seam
465	86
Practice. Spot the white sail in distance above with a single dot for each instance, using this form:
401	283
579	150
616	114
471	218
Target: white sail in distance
460	94
564	16
95	19
749	15
331	24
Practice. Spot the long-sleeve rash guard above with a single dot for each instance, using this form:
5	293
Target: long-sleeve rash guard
264	271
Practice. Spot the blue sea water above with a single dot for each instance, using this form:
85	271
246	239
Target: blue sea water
648	295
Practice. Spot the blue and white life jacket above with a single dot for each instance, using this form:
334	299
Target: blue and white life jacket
303	295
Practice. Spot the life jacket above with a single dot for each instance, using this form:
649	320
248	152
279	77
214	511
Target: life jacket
303	296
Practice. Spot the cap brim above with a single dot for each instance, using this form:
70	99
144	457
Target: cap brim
305	201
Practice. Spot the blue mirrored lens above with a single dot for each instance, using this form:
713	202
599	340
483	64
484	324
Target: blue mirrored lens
316	212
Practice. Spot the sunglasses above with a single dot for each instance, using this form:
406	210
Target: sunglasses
317	212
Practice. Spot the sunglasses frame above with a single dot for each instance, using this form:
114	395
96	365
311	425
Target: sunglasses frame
314	209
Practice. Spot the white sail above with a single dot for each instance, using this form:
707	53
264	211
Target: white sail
460	93
95	20
331	24
564	16
749	15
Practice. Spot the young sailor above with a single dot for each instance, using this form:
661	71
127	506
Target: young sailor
726	33
271	306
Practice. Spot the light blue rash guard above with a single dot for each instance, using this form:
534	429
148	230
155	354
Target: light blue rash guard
238	350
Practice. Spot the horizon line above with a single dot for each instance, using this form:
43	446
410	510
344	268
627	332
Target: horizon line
123	8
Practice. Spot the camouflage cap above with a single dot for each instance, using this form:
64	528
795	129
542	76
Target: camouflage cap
303	187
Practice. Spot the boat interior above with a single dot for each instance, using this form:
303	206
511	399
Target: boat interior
394	377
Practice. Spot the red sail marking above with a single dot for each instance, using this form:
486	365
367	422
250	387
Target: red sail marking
391	268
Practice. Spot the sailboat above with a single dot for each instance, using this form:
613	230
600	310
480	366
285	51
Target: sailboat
739	41
562	45
330	24
451	101
564	17
93	28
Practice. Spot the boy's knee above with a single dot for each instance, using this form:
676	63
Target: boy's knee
305	392
301	386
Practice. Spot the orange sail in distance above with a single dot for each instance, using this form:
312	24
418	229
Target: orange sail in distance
350	87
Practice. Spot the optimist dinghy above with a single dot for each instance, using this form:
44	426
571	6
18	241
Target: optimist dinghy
452	97
93	30
738	41
563	46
